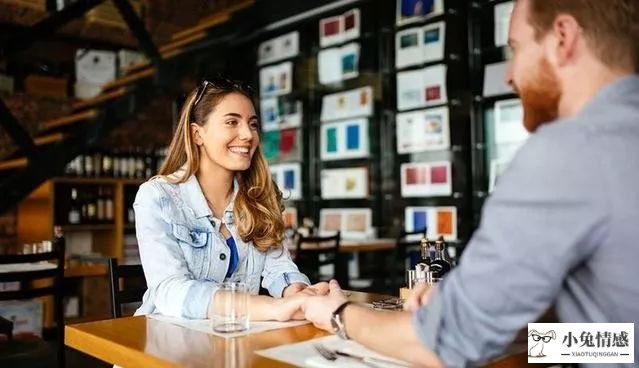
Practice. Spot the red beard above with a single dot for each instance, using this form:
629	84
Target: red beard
540	97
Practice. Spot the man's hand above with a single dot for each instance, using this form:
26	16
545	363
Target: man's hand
419	296
289	308
321	288
319	309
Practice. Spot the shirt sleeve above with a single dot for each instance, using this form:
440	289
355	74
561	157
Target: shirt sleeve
174	289
543	219
280	271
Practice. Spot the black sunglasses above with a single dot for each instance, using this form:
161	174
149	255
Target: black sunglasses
536	337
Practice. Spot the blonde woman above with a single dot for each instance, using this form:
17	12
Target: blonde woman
214	214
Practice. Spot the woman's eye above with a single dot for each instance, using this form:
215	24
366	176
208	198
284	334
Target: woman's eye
231	122
254	125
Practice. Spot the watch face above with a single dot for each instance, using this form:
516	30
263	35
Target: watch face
334	324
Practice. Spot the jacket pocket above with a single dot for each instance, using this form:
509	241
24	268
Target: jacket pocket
194	246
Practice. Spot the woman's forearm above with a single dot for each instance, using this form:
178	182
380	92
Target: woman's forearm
260	307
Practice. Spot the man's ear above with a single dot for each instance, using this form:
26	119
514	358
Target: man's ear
567	33
533	332
195	134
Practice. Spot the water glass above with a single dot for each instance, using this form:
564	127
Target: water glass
233	314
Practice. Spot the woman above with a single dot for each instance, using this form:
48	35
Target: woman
214	214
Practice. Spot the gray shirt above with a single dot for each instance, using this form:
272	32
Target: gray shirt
562	227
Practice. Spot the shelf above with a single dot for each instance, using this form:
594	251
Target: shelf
87	227
97	180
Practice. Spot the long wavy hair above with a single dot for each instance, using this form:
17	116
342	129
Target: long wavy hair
258	204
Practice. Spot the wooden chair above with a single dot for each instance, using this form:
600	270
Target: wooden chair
320	251
133	282
30	271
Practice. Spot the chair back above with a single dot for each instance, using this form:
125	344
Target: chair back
404	243
38	273
133	282
315	251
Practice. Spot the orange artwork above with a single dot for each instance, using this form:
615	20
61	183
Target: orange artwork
444	222
332	221
356	222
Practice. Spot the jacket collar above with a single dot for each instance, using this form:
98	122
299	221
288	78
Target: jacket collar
195	200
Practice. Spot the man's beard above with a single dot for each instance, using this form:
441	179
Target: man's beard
540	97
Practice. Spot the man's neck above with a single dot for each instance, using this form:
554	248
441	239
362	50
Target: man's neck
580	90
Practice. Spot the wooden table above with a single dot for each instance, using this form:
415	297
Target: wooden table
352	246
144	342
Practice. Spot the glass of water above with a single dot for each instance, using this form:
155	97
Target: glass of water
233	314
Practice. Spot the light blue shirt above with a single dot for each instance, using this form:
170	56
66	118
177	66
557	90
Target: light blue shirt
185	256
562	227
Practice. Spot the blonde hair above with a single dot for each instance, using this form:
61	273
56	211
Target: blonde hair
258	204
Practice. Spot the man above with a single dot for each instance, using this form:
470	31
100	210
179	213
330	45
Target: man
562	225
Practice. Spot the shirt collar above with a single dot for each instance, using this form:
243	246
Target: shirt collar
620	87
194	198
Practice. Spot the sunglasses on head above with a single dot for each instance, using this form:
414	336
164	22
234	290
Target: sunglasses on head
220	83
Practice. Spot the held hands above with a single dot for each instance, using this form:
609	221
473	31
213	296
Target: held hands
321	288
418	297
319	309
290	306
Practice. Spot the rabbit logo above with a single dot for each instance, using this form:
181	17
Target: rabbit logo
539	340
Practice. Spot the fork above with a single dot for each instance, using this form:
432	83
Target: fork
332	355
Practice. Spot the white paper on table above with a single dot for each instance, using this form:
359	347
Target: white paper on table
423	179
303	354
414	220
495	80
344	140
331	30
410	89
434	83
509	126
408	47
434	41
330	65
351	24
423	130
344	183
343	105
205	325
289	179
502	22
349	61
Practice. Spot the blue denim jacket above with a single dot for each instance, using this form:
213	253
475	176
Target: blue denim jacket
185	257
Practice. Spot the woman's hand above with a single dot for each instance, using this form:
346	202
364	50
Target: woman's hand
418	296
289	308
321	288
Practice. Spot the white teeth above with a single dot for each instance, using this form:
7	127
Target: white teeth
239	149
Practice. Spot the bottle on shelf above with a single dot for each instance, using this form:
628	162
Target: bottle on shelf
108	205
131	164
100	206
74	216
426	257
440	264
88	164
97	164
91	209
148	164
116	163
107	165
139	163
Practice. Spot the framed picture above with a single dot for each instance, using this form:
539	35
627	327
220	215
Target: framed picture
415	10
338	63
354	223
439	221
279	48
348	104
434	36
409	48
280	113
344	140
290	217
276	80
288	179
502	13
423	130
340	28
430	179
509	122
344	183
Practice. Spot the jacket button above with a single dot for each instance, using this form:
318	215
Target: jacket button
222	256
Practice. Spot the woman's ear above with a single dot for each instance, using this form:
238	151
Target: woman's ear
195	134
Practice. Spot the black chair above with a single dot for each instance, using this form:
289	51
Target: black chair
133	285
321	251
34	352
406	243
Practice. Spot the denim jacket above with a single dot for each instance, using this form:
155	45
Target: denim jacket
185	257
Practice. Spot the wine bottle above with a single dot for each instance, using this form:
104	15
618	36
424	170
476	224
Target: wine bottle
100	210
440	264
425	252
108	205
74	208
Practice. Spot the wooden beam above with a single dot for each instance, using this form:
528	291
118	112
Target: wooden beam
16	163
83	104
49	138
182	42
128	79
70	119
210	22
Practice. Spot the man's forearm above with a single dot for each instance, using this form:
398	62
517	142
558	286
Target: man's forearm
390	333
261	307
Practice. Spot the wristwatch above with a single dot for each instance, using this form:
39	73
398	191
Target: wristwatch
337	321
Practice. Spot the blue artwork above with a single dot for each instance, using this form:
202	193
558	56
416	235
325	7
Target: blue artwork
289	179
420	220
352	137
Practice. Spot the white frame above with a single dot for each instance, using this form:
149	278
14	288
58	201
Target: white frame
296	192
353	108
432	220
343	152
276	71
335	183
333	39
438	9
411	140
427	189
345	232
509	131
